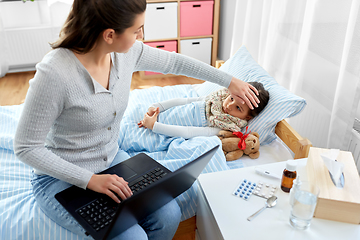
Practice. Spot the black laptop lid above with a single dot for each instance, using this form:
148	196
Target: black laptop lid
138	206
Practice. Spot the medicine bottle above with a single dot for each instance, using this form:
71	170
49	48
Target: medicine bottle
289	174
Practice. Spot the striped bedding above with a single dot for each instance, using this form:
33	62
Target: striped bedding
20	216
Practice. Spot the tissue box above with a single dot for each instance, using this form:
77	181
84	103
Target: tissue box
338	204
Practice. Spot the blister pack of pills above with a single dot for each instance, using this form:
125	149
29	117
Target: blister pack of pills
246	188
265	190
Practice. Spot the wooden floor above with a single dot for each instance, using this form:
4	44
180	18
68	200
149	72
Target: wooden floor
14	86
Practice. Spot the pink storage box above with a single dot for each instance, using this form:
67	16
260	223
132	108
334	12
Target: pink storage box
196	18
170	46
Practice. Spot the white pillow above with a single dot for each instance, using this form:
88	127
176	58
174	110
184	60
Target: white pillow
282	103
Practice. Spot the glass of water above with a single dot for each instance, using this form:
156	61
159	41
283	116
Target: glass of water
305	200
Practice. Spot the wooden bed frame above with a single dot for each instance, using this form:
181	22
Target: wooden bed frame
299	145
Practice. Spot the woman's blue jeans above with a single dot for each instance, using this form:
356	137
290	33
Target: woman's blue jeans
161	224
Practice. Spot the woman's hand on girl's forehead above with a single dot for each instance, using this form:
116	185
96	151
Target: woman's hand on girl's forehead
244	92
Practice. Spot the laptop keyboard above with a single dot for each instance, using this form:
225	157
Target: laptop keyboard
146	179
100	212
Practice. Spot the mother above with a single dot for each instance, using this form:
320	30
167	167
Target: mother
69	127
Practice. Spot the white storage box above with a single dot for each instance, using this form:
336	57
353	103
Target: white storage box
160	21
197	48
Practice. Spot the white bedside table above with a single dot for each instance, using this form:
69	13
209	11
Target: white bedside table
221	215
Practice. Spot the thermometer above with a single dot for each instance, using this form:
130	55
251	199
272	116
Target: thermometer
266	173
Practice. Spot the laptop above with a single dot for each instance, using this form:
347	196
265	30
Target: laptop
152	184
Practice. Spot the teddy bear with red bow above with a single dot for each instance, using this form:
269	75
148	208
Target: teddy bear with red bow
236	144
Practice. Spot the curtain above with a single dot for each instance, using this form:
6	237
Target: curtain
313	49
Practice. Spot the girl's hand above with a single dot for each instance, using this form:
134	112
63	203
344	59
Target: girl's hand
149	120
152	110
245	92
110	184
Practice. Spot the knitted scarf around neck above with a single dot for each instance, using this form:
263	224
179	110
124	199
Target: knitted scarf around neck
216	115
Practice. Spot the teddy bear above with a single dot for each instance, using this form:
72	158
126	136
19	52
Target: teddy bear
236	144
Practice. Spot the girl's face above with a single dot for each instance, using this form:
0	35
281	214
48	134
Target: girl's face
127	39
234	108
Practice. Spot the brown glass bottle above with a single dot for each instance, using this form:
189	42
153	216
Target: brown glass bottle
289	174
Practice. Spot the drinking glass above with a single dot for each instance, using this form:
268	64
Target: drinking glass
305	200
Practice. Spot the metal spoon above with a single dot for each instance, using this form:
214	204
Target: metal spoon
270	202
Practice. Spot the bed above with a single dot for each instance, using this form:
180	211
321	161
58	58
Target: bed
21	218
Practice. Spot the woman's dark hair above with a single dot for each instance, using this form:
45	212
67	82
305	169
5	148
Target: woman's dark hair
89	18
263	97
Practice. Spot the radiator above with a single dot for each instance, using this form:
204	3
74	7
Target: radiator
26	29
354	147
28	46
